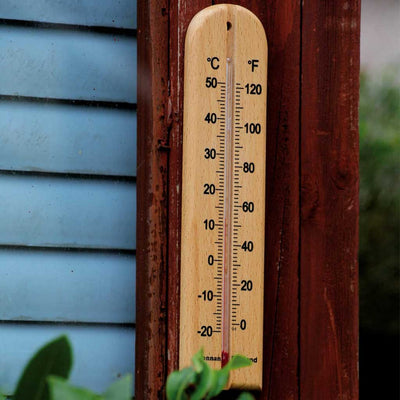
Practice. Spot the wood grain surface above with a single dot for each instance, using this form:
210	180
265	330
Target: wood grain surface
152	200
232	319
282	26
329	200
310	321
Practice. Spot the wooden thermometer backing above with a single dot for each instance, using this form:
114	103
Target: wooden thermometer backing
223	191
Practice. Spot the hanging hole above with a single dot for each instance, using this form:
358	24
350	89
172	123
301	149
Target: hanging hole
228	26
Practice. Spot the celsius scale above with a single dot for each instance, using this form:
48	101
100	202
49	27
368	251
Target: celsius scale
223	191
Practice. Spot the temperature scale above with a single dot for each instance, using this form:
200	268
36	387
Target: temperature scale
223	191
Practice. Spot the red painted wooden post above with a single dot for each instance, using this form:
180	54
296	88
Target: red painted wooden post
152	198
329	200
312	181
281	346
281	20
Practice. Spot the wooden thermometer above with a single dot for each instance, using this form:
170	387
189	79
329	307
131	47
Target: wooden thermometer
223	190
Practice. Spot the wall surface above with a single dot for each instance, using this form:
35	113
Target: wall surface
68	184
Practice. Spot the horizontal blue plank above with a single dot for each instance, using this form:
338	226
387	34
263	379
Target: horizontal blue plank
67	64
121	13
101	354
61	212
70	286
67	139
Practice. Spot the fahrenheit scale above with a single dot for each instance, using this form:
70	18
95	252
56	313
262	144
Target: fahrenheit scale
223	190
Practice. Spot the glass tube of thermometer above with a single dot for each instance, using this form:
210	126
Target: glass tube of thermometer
223	191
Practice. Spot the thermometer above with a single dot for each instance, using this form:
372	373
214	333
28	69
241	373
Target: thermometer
223	191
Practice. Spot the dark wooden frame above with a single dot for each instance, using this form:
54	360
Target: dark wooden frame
311	285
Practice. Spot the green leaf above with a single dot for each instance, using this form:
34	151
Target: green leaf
178	382
245	396
222	376
120	390
198	361
220	380
238	361
2	397
55	358
60	389
205	381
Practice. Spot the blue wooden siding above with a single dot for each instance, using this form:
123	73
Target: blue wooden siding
67	212
67	184
64	64
67	139
114	13
67	278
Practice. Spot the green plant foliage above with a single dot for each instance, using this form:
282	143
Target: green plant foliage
200	381
45	378
221	379
379	202
238	361
60	389
120	390
178	382
55	358
245	396
206	378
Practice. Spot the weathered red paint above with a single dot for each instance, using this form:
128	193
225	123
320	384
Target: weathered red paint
152	178
329	200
